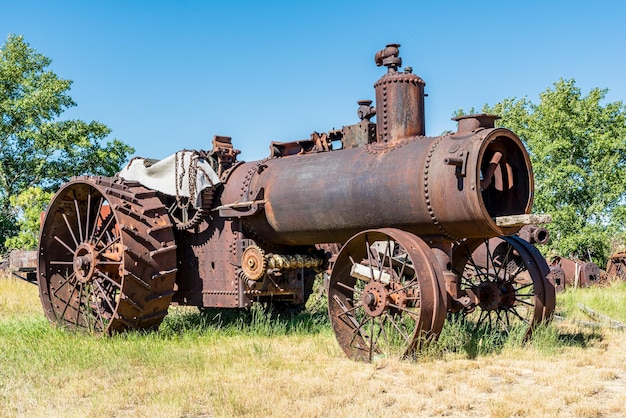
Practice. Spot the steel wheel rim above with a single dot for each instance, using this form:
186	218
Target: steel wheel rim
84	268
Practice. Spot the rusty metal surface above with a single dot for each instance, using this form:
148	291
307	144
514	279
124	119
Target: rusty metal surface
399	99
367	187
616	266
534	234
577	273
557	278
22	264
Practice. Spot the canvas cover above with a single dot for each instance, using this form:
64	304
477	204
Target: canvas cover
185	173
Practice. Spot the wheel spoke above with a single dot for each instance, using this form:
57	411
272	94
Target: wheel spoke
505	263
69	228
368	249
95	221
115	241
514	312
87	215
525	303
80	302
352	289
371	337
67	303
101	318
524	287
397	327
104	230
520	268
67	279
400	308
109	263
409	285
67	247
478	271
78	221
346	312
108	279
105	296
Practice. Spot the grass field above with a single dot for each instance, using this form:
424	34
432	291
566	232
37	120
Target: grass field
225	364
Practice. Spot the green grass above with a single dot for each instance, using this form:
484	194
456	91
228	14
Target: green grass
255	362
609	300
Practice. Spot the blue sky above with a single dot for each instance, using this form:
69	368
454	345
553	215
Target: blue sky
169	75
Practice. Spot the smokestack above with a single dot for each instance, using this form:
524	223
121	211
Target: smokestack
399	99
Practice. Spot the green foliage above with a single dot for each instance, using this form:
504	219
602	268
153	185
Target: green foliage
577	145
29	204
36	148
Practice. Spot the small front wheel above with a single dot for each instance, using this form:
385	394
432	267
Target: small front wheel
385	295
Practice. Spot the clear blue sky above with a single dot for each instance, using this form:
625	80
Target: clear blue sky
168	75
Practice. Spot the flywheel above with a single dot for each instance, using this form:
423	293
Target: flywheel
107	256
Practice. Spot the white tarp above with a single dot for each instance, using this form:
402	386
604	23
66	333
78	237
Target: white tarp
174	175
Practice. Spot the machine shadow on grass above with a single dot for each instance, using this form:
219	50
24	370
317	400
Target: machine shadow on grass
460	336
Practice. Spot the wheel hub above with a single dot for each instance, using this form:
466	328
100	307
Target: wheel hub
374	298
496	295
83	262
507	295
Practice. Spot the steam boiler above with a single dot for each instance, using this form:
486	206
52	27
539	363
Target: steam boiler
410	218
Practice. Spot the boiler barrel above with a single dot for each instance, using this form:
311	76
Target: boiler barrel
452	186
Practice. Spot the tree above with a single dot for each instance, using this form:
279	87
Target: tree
36	148
577	146
29	205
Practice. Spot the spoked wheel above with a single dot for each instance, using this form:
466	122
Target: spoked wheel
107	259
385	295
505	280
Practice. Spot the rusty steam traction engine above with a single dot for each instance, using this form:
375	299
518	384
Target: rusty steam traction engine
415	217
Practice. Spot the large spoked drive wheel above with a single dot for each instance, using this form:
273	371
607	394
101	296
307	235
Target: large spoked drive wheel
506	281
385	295
107	258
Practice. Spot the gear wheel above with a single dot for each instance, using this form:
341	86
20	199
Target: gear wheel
184	215
253	263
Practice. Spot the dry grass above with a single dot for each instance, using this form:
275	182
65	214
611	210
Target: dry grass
49	372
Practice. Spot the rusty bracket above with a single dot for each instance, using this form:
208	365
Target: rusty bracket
240	209
459	162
